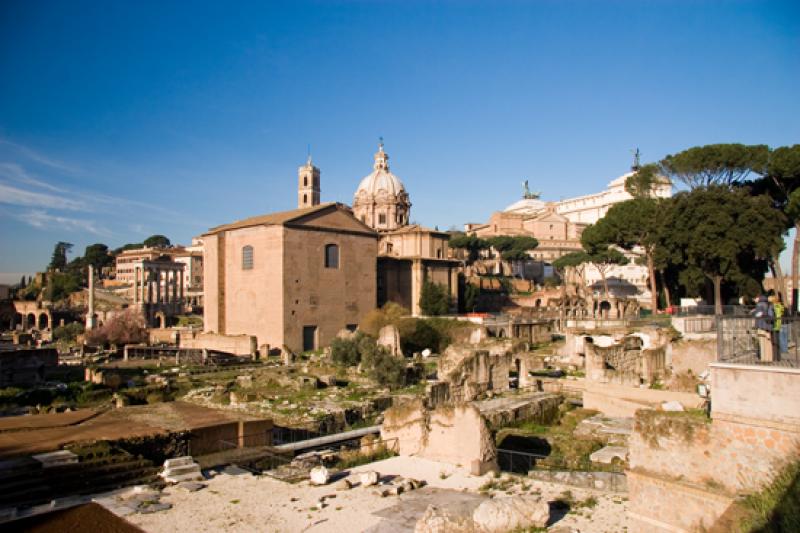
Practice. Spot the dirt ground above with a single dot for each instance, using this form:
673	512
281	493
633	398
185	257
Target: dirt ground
82	519
247	503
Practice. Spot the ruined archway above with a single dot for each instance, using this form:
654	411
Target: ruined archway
44	321
16	321
161	320
30	321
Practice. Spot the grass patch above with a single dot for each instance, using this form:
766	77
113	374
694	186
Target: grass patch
776	508
353	459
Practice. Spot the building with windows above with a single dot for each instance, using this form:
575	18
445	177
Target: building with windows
558	227
408	254
294	278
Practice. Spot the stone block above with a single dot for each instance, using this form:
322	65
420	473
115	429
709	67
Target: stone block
500	515
389	337
369	478
319	475
606	455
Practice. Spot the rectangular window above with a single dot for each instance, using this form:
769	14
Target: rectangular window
247	258
382	219
309	338
331	256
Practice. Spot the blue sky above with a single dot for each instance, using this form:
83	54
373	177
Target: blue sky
123	119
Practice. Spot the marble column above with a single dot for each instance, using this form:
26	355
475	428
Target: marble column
181	295
135	285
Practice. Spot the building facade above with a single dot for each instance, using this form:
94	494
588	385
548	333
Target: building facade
293	279
558	227
408	254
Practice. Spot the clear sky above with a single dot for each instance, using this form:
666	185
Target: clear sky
123	119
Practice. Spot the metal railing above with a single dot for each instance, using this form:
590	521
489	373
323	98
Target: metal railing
709	310
519	462
516	461
739	341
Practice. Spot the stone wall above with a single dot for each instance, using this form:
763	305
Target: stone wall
228	435
663	506
685	470
605	481
695	355
457	435
471	371
633	360
765	393
235	344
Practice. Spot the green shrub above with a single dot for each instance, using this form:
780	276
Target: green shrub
417	334
345	351
68	332
387	370
775	508
434	300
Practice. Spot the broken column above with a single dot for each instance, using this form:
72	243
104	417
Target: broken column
90	318
389	338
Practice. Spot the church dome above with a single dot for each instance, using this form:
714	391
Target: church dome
381	201
380	179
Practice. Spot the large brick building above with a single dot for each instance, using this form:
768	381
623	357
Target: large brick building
294	278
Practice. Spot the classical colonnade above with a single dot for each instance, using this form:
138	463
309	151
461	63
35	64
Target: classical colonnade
156	282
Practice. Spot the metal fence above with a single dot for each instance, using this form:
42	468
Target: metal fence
740	342
710	310
516	461
519	462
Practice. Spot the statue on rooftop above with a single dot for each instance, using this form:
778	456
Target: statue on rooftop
527	194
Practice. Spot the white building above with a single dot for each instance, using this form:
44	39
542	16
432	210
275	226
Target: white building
521	218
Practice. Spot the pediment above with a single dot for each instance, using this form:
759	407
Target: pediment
331	219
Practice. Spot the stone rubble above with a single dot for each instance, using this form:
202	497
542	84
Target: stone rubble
181	469
319	475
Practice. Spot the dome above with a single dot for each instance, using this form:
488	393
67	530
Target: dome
526	206
381	201
380	179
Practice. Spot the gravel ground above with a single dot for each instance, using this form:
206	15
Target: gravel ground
246	503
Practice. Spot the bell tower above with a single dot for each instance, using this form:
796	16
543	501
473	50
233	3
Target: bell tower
307	185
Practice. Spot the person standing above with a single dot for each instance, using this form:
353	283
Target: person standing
764	317
779	337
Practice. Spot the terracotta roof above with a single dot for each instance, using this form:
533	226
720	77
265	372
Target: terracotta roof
282	218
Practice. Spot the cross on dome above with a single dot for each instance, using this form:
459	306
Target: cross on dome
381	157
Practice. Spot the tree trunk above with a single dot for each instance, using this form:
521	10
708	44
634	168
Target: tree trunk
667	296
651	272
717	295
795	267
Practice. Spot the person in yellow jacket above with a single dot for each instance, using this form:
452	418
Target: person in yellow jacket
779	344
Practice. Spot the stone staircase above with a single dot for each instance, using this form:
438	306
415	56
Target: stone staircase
26	482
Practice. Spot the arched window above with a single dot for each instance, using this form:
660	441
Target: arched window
305	181
331	256
247	258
